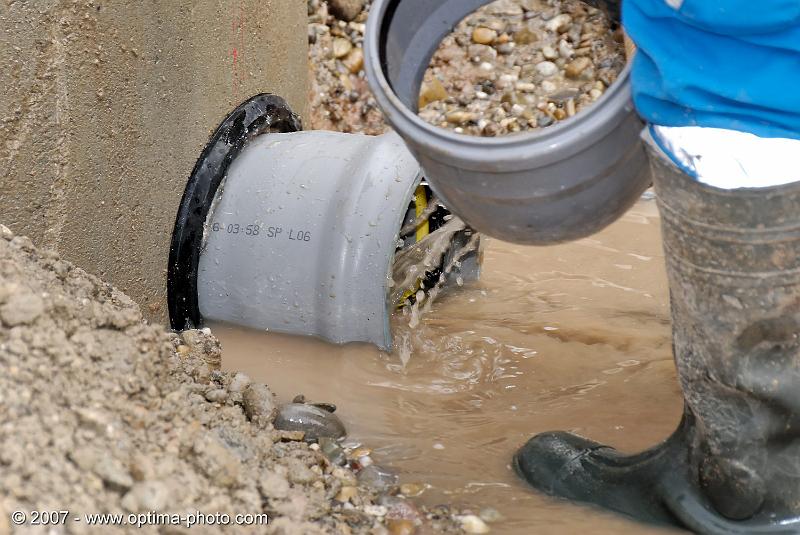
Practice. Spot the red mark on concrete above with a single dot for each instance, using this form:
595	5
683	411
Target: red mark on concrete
237	49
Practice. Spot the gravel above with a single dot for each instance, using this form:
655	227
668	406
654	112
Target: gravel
339	95
518	65
512	66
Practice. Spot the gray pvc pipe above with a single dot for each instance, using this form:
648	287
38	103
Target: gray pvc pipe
302	234
557	184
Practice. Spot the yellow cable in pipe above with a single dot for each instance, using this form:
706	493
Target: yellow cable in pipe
421	202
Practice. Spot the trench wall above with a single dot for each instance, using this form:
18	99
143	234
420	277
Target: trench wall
106	106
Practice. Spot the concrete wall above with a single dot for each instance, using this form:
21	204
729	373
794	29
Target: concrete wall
106	106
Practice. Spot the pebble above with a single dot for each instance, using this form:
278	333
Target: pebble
483	36
259	405
354	60
490	514
576	67
431	92
571	108
400	526
565	49
290	436
482	53
400	508
313	421
526	36
411	489
473	524
239	382
375	510
460	117
347	477
5	233
341	47
332	451
548	86
360	452
544	121
346	494
547	68
505	48
376	478
504	8
559	23
346	10
549	52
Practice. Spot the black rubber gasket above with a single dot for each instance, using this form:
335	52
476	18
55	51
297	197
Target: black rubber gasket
260	114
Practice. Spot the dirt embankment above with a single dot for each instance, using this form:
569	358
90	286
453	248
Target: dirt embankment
102	412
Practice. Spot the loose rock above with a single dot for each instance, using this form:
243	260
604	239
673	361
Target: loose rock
341	47
332	451
575	68
259	404
346	494
354	61
474	524
376	478
238	383
346	9
411	489
313	421
547	68
490	514
484	36
431	92
401	527
559	23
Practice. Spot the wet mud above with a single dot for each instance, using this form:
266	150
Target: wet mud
573	337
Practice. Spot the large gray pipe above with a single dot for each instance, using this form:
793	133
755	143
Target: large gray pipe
296	232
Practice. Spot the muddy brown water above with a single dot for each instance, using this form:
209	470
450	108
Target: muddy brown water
571	337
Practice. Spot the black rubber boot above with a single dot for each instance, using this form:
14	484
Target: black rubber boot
733	465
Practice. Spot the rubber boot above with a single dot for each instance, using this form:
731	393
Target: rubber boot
733	465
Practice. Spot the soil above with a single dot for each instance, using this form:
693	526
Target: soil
103	412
